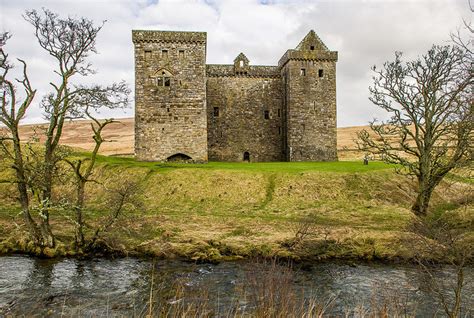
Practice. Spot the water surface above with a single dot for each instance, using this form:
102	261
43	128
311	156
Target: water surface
121	287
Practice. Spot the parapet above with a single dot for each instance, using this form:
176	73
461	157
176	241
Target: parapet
307	55
222	70
139	36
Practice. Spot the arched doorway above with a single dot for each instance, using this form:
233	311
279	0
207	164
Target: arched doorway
247	156
179	157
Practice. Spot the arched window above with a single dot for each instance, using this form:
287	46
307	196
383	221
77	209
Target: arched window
247	156
163	78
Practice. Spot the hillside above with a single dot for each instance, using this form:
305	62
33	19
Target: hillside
221	211
121	137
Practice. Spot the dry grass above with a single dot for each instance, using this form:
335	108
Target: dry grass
121	136
77	134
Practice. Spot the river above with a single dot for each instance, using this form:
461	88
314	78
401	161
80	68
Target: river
121	287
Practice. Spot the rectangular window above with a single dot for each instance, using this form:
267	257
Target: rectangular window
164	54
167	81
303	72
279	112
266	114
159	81
147	56
320	73
181	54
311	47
216	111
279	130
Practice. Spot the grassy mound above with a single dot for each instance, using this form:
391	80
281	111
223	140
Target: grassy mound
220	211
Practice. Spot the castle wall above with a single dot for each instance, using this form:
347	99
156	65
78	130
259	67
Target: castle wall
240	125
170	93
310	106
187	110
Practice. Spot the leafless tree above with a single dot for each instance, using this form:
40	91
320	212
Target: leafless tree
13	110
93	98
430	131
69	41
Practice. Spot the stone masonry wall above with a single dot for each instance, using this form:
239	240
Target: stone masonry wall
310	110
236	114
187	110
170	120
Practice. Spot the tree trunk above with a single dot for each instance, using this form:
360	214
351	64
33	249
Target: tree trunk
25	211
79	234
22	188
421	205
46	232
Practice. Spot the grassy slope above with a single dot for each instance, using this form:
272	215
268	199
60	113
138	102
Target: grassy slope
227	210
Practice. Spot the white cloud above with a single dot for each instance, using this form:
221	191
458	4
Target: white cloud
364	32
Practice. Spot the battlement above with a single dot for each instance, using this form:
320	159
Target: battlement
307	56
168	36
225	70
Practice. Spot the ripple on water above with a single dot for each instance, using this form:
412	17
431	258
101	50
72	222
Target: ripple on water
30	286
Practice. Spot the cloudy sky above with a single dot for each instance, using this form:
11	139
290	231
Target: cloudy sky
365	33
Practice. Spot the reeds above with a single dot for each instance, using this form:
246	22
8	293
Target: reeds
267	290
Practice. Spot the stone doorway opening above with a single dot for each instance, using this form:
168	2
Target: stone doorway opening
179	157
247	156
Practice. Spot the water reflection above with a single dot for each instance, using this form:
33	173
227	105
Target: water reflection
103	287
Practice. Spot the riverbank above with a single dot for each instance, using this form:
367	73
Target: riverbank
227	211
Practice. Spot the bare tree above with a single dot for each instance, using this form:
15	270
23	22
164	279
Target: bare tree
69	41
93	98
12	111
430	131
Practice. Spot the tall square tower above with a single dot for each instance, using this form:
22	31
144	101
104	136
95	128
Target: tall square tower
170	96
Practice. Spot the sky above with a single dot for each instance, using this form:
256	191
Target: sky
364	32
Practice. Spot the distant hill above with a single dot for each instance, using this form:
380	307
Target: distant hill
77	134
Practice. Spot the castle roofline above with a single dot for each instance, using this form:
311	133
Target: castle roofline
227	70
312	39
241	56
307	56
311	48
168	36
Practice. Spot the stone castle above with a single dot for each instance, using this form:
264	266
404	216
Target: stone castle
188	110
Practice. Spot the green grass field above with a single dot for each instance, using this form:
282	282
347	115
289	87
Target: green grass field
282	167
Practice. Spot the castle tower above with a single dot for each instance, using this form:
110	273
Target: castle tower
170	96
309	100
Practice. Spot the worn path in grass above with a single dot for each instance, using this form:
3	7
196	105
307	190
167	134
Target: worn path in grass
219	211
